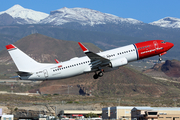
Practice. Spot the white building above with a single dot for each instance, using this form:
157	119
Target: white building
7	117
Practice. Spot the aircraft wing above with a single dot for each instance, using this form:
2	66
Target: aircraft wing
96	60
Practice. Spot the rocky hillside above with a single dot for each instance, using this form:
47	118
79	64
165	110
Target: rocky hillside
123	82
168	69
171	68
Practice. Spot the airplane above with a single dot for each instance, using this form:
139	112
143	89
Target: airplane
29	69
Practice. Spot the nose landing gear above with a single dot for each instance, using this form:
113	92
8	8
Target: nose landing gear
160	59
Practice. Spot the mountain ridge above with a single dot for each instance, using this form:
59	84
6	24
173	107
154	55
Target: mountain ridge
84	16
30	16
167	22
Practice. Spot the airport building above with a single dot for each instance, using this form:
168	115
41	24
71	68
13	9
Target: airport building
140	113
78	113
7	117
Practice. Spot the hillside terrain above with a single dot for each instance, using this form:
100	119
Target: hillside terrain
168	69
45	49
123	82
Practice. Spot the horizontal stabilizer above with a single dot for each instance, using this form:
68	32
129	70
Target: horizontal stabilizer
14	77
21	73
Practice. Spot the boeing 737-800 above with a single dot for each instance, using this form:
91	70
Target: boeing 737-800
29	69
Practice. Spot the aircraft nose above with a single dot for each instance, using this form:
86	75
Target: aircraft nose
170	45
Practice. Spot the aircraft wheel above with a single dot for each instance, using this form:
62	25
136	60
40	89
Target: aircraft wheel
100	74
95	76
160	59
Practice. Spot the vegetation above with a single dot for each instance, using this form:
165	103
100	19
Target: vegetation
91	115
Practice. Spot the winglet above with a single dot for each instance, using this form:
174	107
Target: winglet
11	46
83	47
57	61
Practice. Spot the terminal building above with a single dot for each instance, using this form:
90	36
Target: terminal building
141	113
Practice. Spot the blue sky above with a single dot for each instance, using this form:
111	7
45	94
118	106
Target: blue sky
143	10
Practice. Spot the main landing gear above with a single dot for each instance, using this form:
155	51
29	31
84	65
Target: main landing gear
99	74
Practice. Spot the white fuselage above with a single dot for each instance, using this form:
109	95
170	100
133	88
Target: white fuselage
77	66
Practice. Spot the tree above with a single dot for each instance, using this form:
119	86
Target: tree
91	115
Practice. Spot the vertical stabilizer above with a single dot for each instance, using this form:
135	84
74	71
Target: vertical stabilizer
22	60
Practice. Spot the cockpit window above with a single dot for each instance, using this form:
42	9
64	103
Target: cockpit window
163	42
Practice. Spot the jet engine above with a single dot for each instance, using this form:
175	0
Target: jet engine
118	62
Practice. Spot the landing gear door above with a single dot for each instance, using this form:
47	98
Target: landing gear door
45	73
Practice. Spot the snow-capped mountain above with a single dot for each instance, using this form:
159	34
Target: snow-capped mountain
169	22
27	15
83	16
